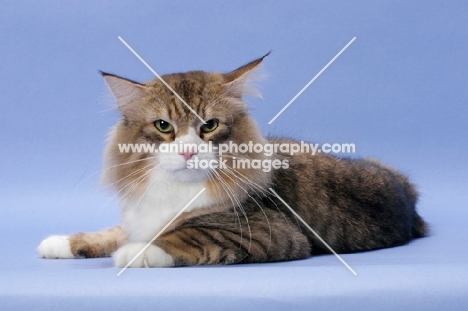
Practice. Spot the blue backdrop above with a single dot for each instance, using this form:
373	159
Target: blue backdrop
399	93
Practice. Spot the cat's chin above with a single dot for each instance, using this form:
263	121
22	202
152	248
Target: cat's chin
186	175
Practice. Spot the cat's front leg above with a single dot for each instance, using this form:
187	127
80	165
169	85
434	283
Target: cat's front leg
152	256
55	247
221	239
83	245
184	247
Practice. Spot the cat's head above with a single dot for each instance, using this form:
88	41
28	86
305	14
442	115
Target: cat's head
160	131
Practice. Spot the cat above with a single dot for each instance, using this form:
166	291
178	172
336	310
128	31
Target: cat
353	204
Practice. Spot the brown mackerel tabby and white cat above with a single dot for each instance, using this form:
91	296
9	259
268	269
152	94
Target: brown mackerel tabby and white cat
354	205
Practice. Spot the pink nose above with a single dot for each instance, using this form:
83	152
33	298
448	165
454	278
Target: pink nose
187	155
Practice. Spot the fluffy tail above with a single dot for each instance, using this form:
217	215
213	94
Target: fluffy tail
420	227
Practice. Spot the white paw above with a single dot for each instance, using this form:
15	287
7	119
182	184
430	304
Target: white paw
55	246
155	256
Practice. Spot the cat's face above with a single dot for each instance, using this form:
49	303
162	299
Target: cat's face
177	140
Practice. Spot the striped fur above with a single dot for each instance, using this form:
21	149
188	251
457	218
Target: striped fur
354	205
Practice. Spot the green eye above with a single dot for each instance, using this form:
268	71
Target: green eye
163	126
210	126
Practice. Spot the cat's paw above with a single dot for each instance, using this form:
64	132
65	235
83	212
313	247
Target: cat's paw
155	256
55	246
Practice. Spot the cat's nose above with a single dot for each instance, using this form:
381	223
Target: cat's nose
188	155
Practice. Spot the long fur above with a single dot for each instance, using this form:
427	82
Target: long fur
354	205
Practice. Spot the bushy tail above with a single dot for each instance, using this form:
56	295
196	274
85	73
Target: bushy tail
420	227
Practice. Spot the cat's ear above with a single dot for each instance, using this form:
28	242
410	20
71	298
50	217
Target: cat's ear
239	80
126	92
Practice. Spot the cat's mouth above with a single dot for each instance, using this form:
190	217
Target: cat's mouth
186	171
189	175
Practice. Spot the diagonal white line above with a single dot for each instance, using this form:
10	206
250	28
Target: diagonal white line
313	231
162	230
311	81
159	77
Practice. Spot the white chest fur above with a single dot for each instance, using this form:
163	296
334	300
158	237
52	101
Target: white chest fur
145	216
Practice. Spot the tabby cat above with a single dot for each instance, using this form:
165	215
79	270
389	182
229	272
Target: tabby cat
354	205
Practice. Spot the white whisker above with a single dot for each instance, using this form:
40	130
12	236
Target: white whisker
263	211
232	195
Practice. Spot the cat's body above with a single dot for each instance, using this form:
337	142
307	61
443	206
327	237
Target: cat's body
354	205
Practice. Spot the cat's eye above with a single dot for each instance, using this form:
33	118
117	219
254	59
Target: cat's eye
209	126
163	126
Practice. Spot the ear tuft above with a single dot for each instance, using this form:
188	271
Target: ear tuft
126	92
240	80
